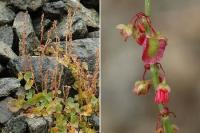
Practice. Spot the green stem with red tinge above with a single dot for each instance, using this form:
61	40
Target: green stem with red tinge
155	77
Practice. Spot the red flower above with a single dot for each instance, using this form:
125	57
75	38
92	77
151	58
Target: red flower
141	29
140	37
162	94
142	87
153	49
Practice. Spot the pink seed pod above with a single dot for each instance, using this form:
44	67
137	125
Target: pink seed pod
162	94
153	49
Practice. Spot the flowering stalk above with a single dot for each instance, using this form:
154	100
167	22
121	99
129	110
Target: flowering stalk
155	78
153	44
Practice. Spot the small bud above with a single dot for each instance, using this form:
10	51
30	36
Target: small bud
142	87
159	130
125	30
175	129
141	39
141	27
162	94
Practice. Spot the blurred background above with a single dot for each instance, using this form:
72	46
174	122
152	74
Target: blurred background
122	111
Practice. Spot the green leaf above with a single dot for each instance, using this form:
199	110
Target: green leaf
30	93
29	84
15	105
77	109
94	100
35	99
74	119
89	130
54	106
28	76
153	46
48	96
59	107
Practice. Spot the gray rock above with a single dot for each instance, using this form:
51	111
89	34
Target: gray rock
27	4
20	91
5	113
37	125
90	16
49	120
94	120
1	68
41	66
37	27
16	125
6	14
79	28
6	52
6	35
86	50
91	3
56	8
23	24
8	85
94	34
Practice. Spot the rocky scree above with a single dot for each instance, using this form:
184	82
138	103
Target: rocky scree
18	17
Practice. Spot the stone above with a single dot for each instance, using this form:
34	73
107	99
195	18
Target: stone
89	16
41	67
8	85
1	68
94	34
23	24
6	35
37	125
49	121
6	14
20	91
95	121
5	113
37	27
91	4
86	50
55	8
79	28
33	5
16	125
6	53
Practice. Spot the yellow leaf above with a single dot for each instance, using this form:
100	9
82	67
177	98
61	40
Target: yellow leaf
54	130
72	130
20	76
87	110
29	84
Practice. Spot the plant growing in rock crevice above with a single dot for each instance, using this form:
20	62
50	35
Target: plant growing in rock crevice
153	43
70	112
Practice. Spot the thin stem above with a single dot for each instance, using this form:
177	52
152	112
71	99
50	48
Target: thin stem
148	7
155	77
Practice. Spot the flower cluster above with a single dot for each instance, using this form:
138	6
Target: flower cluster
153	43
141	29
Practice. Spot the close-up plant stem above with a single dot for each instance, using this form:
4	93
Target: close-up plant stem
155	77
